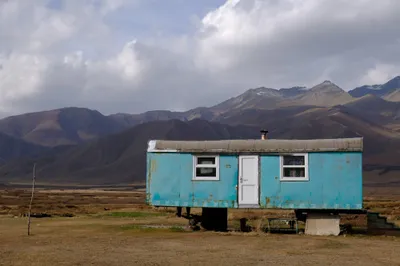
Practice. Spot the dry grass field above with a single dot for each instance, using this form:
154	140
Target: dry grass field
114	227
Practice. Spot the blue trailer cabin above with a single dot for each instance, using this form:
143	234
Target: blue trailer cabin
312	175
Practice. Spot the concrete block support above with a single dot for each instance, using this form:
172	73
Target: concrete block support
322	224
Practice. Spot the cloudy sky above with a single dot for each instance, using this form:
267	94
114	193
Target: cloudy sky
138	55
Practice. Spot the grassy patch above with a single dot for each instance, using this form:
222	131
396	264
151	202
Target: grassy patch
134	214
332	244
136	227
177	229
144	228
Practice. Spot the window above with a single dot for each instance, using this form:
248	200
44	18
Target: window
206	167
294	167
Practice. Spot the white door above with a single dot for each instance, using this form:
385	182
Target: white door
248	181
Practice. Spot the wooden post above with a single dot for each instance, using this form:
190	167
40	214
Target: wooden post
30	204
243	225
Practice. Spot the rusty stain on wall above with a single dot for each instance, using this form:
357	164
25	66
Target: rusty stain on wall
153	166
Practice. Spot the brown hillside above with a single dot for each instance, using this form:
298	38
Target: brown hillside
376	110
393	96
382	145
59	127
324	111
324	94
118	158
12	148
260	98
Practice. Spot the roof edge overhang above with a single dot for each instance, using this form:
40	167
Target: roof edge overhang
258	146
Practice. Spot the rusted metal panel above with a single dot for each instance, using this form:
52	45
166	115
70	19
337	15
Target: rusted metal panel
258	146
148	179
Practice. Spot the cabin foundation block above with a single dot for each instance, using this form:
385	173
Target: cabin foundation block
215	219
322	224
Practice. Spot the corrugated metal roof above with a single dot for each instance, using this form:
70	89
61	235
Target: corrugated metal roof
257	145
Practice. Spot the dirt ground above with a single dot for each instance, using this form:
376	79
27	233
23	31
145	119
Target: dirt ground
104	227
112	240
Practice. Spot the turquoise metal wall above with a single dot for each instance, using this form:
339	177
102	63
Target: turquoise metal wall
335	182
169	182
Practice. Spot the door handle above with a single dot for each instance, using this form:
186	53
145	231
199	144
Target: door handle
241	180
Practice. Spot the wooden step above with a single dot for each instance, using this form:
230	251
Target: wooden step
376	221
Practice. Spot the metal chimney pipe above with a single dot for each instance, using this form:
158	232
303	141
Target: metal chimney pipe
264	134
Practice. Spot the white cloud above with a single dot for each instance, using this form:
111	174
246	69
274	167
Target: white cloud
298	41
380	73
109	55
21	76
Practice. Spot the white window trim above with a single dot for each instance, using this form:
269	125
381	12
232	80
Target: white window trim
204	178
281	166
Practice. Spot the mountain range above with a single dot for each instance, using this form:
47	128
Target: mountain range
388	91
83	146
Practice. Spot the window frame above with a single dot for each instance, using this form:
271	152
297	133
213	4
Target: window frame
305	166
195	166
